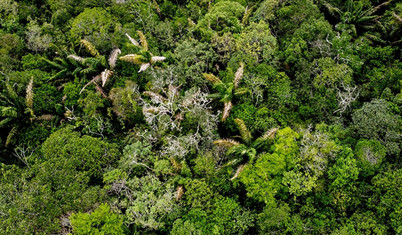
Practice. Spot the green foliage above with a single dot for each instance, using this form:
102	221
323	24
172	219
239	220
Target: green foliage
94	25
100	221
224	16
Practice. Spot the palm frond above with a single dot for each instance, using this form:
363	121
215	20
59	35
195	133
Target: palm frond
238	171
134	58
90	48
11	135
227	143
76	58
5	122
143	40
11	92
179	192
8	112
94	80
270	134
144	67
226	110
238	75
212	78
101	90
29	96
113	57
241	91
244	132
52	63
155	59
106	75
132	40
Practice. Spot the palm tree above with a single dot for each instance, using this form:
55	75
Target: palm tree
101	79
243	153
356	15
15	110
226	91
144	58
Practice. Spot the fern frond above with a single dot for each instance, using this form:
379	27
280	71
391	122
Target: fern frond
134	58
144	67
227	143
143	40
226	110
212	78
244	132
132	40
238	75
90	48
113	57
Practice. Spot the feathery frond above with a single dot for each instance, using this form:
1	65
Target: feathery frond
238	75
244	132
90	48
113	57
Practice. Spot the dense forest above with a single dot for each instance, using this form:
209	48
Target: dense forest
200	117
